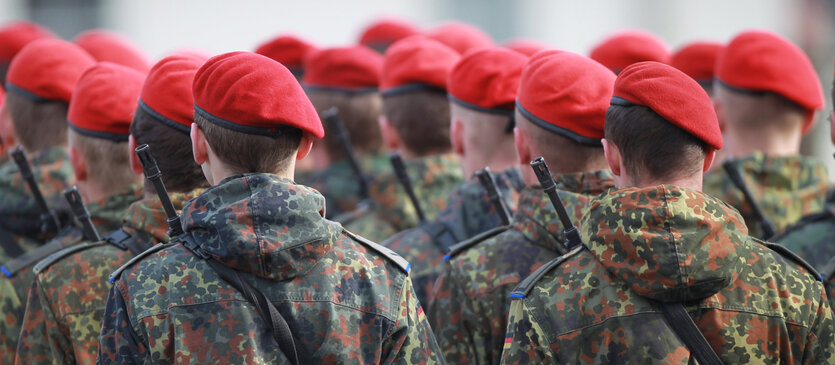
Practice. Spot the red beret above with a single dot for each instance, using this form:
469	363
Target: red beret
14	36
567	94
166	94
487	78
625	48
460	36
757	61
105	100
111	47
698	60
417	62
288	50
525	47
673	95
355	69
386	31
253	94
47	69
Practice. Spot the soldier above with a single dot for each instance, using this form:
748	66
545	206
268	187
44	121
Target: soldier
560	110
460	36
482	94
656	244
338	298
289	51
767	93
111	47
346	78
630	46
415	122
66	301
13	37
380	34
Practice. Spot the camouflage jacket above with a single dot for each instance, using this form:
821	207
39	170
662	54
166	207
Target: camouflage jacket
786	188
66	301
598	303
469	307
468	213
106	215
19	215
339	185
345	300
813	237
433	178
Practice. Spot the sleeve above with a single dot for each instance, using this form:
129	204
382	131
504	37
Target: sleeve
412	340
522	339
119	343
447	316
41	340
11	306
820	342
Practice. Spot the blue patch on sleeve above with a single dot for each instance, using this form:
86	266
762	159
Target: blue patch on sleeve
517	295
5	272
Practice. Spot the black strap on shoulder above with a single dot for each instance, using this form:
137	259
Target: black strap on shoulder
683	325
124	241
67	237
9	245
269	313
442	236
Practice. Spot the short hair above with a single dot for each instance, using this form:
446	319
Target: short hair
652	148
107	160
250	153
563	154
171	149
421	120
359	114
38	124
755	110
4	70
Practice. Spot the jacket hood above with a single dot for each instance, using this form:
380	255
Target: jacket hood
148	216
667	243
261	224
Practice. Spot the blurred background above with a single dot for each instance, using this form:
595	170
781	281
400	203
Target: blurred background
161	26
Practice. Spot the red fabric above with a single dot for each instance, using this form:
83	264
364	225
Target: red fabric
2	97
251	90
525	46
673	95
105	99
16	35
111	47
697	60
487	78
417	60
567	90
387	31
167	89
627	47
287	50
347	68
461	37
49	68
764	61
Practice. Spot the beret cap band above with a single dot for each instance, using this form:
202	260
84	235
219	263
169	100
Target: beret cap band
162	119
553	128
27	94
341	90
273	132
115	137
402	89
508	110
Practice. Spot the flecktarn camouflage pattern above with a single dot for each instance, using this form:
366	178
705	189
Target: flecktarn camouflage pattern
339	184
344	301
813	237
669	244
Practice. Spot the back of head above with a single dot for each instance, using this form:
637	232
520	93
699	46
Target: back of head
698	60
13	37
380	34
662	123
460	36
561	108
289	51
347	78
41	80
627	47
163	120
106	46
252	112
99	117
413	85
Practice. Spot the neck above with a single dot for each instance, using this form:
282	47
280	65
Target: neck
469	167
218	171
93	192
745	142
690	182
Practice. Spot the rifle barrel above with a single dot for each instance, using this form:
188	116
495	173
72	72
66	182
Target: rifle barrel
488	181
152	173
341	133
403	178
81	213
48	217
546	180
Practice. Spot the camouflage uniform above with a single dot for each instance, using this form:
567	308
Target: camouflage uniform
786	188
345	302
468	311
468	213
598	303
338	183
66	301
19	215
433	178
813	238
106	215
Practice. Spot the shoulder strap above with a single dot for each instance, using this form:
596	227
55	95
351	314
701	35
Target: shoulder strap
828	270
124	241
441	235
68	237
115	275
470	242
677	317
9	244
54	258
785	252
382	250
279	328
803	222
524	288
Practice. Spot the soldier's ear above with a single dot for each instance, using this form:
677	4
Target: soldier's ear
612	156
198	144
390	138
709	156
305	146
79	167
135	165
523	151
456	136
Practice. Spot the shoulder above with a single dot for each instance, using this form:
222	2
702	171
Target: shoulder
136	260
524	288
65	238
391	256
469	243
55	258
783	254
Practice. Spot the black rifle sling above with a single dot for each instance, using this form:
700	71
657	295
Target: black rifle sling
269	313
683	325
9	245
